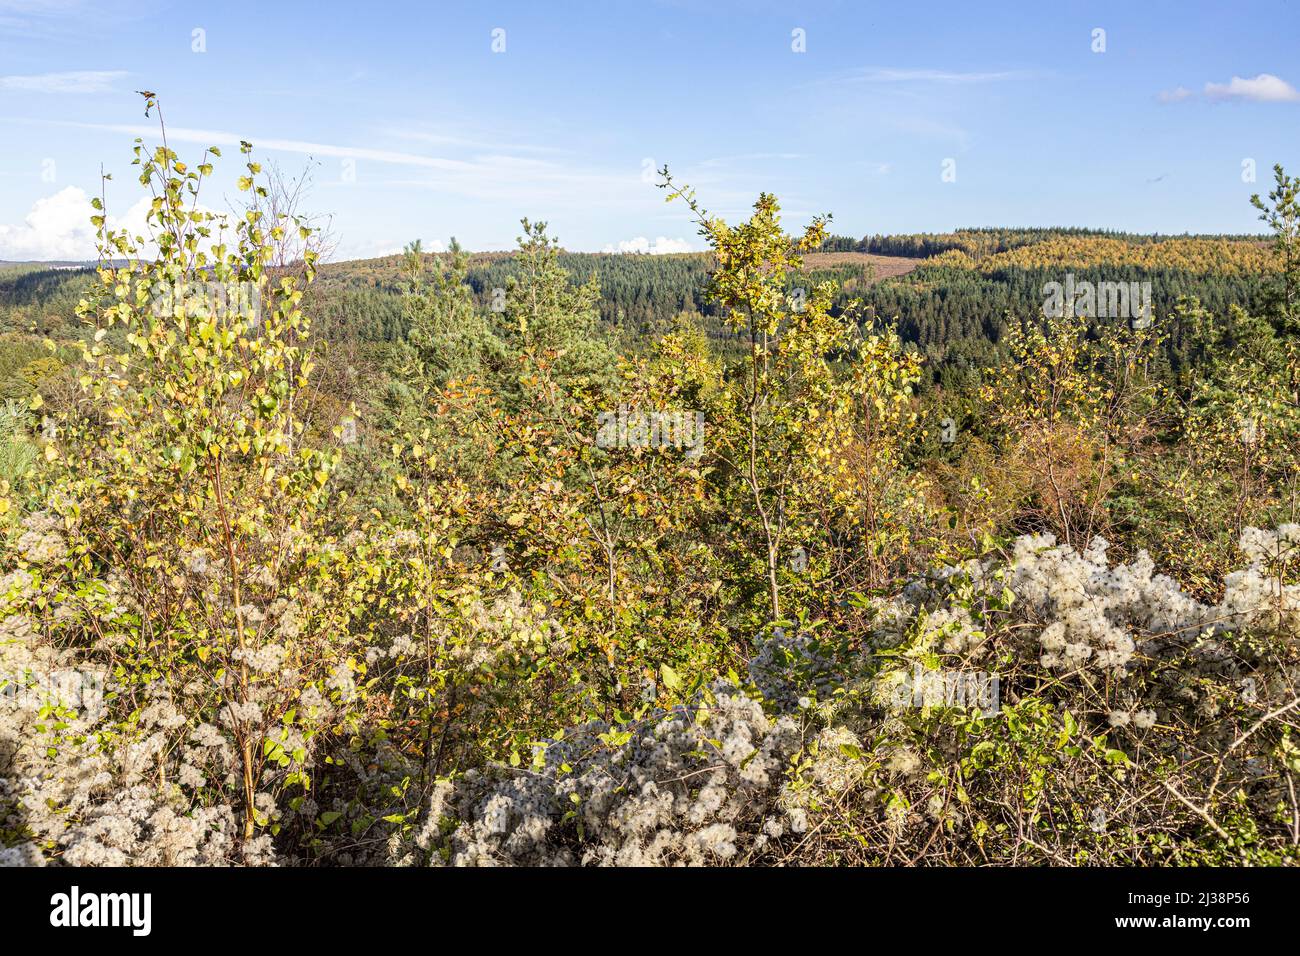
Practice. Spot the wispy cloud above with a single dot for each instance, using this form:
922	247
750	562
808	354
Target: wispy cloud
74	81
928	128
918	101
212	137
379	248
485	177
751	157
40	7
1265	88
876	74
460	141
38	18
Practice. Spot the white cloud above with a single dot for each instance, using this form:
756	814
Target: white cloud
76	81
58	227
750	157
379	249
41	19
1265	88
212	137
467	142
1175	95
494	177
887	75
659	247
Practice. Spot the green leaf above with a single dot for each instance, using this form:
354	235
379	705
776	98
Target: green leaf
671	679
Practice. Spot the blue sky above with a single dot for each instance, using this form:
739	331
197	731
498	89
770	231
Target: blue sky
414	127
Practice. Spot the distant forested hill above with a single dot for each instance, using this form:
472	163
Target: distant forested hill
948	293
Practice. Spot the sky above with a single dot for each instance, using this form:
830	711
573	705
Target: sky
430	120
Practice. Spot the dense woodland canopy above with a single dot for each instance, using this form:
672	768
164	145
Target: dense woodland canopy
748	556
954	308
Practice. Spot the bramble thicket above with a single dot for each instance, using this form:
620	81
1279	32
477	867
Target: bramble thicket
270	596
